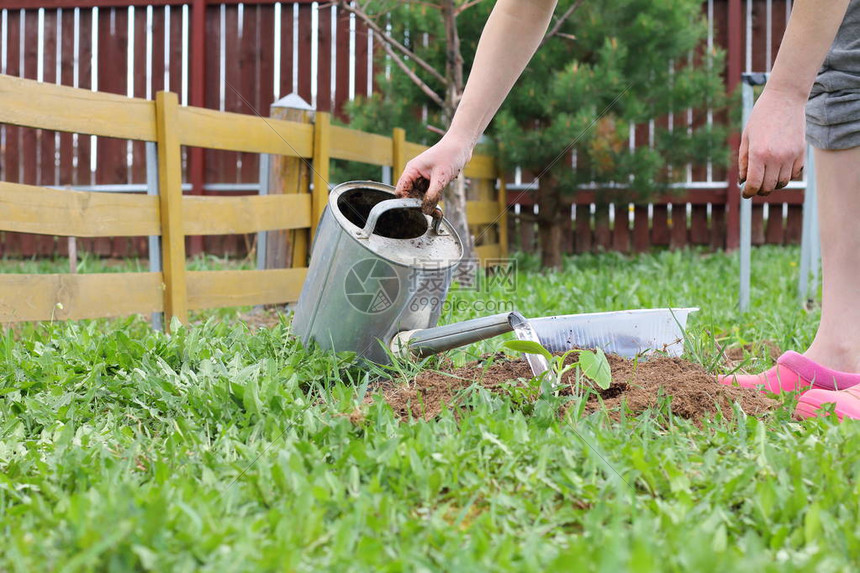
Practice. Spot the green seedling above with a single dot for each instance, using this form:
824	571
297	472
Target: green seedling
591	363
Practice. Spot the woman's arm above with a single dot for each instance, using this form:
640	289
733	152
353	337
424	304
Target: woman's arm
773	145
511	36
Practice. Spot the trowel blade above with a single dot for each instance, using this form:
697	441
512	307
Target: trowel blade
627	333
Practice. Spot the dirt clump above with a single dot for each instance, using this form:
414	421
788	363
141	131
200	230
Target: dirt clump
638	385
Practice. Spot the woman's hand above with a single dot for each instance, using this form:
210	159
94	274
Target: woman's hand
773	143
428	173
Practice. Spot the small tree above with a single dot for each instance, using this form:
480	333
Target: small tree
427	48
611	64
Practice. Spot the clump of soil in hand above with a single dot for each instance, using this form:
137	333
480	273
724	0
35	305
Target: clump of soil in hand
640	385
419	191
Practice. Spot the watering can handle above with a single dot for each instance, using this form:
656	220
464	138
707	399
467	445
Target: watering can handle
388	205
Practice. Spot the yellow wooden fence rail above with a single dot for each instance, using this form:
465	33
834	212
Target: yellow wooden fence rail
175	291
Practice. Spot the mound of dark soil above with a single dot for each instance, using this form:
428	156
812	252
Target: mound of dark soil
638	385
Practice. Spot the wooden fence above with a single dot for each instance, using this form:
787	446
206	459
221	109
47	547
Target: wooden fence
170	215
218	54
239	57
696	218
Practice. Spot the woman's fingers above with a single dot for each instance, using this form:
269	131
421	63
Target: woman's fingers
754	178
434	193
784	175
797	168
743	157
406	184
771	178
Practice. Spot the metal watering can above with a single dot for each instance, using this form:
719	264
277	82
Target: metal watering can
380	270
380	267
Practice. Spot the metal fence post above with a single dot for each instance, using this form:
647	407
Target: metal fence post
748	84
748	97
810	253
157	318
262	236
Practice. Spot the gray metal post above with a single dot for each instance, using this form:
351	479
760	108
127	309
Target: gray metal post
810	249
155	265
386	174
264	190
748	83
746	216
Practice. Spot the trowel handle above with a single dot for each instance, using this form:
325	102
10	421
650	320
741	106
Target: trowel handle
427	341
384	207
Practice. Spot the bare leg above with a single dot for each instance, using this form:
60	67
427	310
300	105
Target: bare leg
837	342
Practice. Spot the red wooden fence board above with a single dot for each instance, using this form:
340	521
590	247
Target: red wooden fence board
699	234
361	70
718	226
137	246
582	231
266	58
641	239
67	77
286	85
46	140
602	231
82	174
341	63
247	168
111	153
304	71
794	225
324	63
774	232
28	152
12	241
678	233
174	59
660	225
621	229
235	101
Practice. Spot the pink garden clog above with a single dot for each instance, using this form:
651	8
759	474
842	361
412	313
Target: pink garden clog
847	403
791	373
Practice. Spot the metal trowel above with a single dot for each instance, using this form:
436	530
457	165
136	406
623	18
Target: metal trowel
627	333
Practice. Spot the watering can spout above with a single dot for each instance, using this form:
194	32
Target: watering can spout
427	341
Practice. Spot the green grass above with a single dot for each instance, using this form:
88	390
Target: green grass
222	449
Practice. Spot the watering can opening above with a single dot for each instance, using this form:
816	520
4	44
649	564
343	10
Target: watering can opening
356	204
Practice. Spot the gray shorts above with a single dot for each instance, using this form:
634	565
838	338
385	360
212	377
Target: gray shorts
833	109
